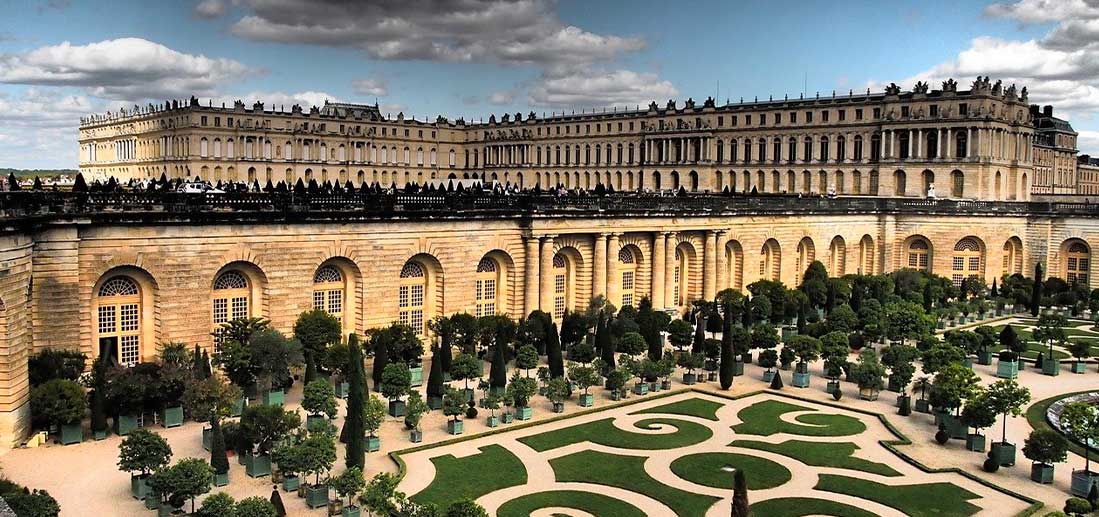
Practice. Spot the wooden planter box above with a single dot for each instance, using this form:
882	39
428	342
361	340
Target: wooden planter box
923	406
586	400
738	368
1079	367
1007	369
1082	481
689	378
523	413
257	465
221	479
416	436
372	443
274	398
558	407
832	387
316	496
984	358
435	402
492	421
139	486
768	375
1003	453
1051	366
801	380
291	483
975	442
396	408
125	424
507	417
868	395
1041	473
343	389
640	388
71	434
416	376
352	511
454	427
172	417
152	500
237	408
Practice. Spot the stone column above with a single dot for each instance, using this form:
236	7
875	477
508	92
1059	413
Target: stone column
660	240
708	271
910	138
531	277
599	266
720	262
611	265
919	143
545	288
669	270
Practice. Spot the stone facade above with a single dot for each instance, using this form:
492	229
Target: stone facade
1055	168
973	144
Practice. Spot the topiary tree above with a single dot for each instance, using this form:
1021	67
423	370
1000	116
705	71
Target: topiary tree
498	370
680	334
218	504
415	411
1077	506
939	356
740	494
952	386
395	381
526	358
520	390
1036	292
466	367
58	402
899	358
728	354
99	396
186	480
553	352
355	454
317	329
807	349
768	359
1007	397
319	398
254	506
373	415
583	376
556	390
1045	446
868	372
979	412
219	460
143	452
454	403
1081	421
266	425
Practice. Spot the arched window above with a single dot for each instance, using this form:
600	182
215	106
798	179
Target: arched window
1013	256
486	287
770	262
562	286
680	278
866	255
328	291
231	299
837	257
919	254
1077	261
627	265
900	181
807	253
957	184
202	148
734	261
118	316
966	261
410	296
928	180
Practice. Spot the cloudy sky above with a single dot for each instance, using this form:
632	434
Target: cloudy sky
60	59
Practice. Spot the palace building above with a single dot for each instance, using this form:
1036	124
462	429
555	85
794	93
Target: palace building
705	198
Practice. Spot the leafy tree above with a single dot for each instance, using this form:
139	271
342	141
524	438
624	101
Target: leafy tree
210	398
978	412
553	352
1051	330
843	319
1006	397
906	320
899	358
764	337
941	355
348	484
466	332
691	362
632	344
953	385
807	349
521	389
1045	446
534	331
465	508
768	359
318	398
318	452
265	425
415	410
868	371
395	381
1010	342
1081	421
317	329
188	479
58	402
143	451
400	343
574	328
583	376
381	360
454	404
466	367
680	334
218	504
381	496
254	506
967	341
526	358
51	363
373	415
353	429
272	355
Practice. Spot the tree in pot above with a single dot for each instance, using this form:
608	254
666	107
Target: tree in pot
952	386
835	350
1080	350
526	359
125	398
764	337
665	369
899	358
868	373
218	504
786	357
401	344
1045	448
1013	347
454	406
355	454
373	416
415	412
60	403
50	363
382	498
690	362
272	355
254	506
210	399
290	457
466	367
729	361
605	344
319	400
968	342
435	378
141	453
1051	331
318	453
263	426
680	334
939	355
317	330
584	377
557	391
184	481
616	382
519	391
1081	421
768	359
99	399
492	403
1006	397
807	349
348	485
395	384
978	413
219	460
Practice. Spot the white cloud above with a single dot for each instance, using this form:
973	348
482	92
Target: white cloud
502	97
1088	143
130	69
39	128
1042	11
371	86
598	88
276	100
210	9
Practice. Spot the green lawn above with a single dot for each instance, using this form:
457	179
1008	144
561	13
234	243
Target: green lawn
821	454
628	473
927	499
598	505
801	506
763	419
705	468
701	408
604	432
472	476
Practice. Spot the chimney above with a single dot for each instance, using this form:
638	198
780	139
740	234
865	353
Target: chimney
1035	110
1047	110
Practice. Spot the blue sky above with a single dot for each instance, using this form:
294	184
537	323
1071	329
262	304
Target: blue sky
62	59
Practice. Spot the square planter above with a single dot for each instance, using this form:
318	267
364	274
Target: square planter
923	406
975	442
274	398
396	408
172	417
832	387
416	376
237	408
640	388
1079	367
746	358
492	421
1082	481
372	443
523	413
257	465
165	510
903	399
616	395
507	417
788	332
351	512
221	479
968	362
1041	473
957	429
206	437
311	420
416	436
1051	366
99	435
801	380
435	403
689	378
984	358
768	375
139	486
654	387
738	368
124	424
1007	369
242	458
291	483
152	500
71	434
1003	453
316	496
454	427
343	389
587	400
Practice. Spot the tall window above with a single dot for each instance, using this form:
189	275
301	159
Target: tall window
806	255
679	280
1077	262
1013	256
486	287
837	257
628	267
231	297
119	320
866	255
966	260
734	261
770	260
328	289
410	296
560	286
900	181
957	184
919	253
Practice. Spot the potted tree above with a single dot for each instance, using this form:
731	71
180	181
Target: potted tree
640	370
868	373
1008	365
60	403
665	369
922	385
99	399
1006	397
953	385
680	334
492	403
768	359
557	391
584	377
899	358
435	380
616	381
741	341
711	350
319	400
526	358
464	368
1081	421
141	453
395	384
209	399
988	339
807	349
1044	447
520	390
291	462
318	453
262	426
219	461
786	357
691	362
348	485
1080	350
336	362
413	414
454	406
1051	330
186	480
373	416
272	356
171	385
978	413
126	399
